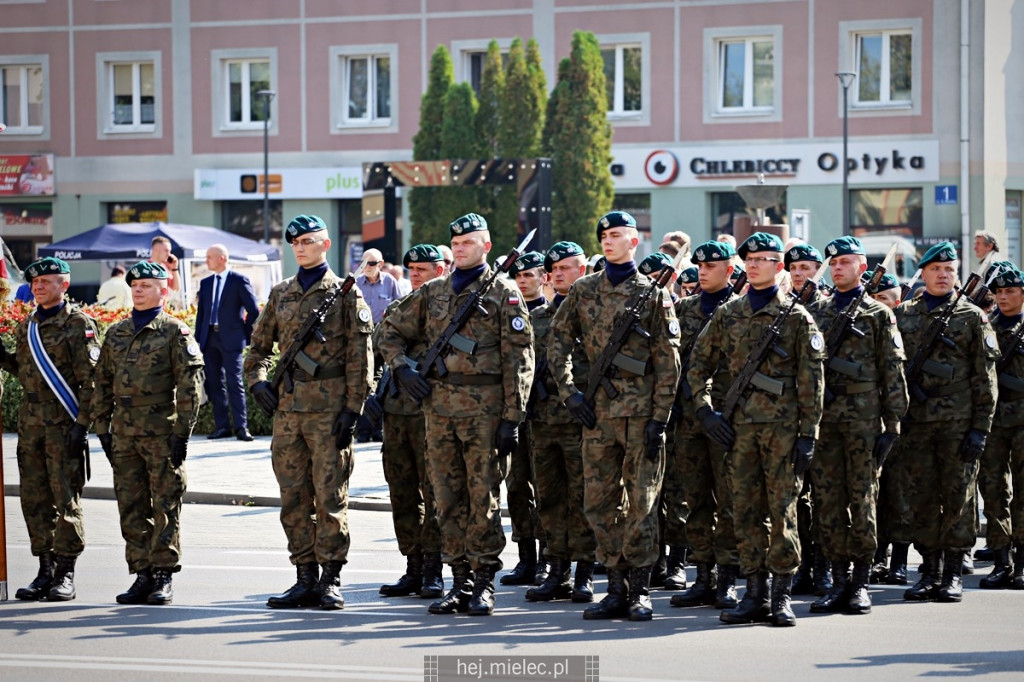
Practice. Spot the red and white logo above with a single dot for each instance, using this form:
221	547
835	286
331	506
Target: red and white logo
661	167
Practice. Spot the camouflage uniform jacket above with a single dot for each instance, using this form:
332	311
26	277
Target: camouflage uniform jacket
1010	406
691	321
148	382
972	389
71	341
395	400
589	313
733	331
551	410
877	357
504	347
345	358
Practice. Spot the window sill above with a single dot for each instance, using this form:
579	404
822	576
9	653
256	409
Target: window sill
743	113
22	132
350	125
130	130
244	127
886	106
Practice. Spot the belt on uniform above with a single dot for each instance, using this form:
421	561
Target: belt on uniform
456	379
45	397
948	389
325	373
145	400
853	389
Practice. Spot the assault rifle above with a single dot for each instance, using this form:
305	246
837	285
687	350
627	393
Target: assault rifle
933	334
627	323
1011	349
738	285
450	338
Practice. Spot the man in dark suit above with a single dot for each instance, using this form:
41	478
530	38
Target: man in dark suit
226	312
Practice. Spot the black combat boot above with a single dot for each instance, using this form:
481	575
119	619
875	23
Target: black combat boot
702	592
879	569
822	572
755	607
782	597
660	569
543	564
63	587
985	554
410	582
138	593
457	598
968	564
926	587
803	581
725	595
639	599
1017	582
305	591
41	584
1002	571
860	600
331	598
898	564
952	587
433	581
162	592
614	604
526	570
481	603
556	586
583	583
675	576
837	599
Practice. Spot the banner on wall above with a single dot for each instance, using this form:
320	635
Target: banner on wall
26	175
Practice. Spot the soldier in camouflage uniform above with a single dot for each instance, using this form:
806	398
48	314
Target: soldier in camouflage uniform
702	462
311	451
403	454
1001	476
555	445
52	444
624	436
472	413
145	405
688	280
773	431
944	433
866	396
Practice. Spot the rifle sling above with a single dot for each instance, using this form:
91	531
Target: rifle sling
853	389
325	373
456	379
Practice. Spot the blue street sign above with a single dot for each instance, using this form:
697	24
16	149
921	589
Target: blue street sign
945	195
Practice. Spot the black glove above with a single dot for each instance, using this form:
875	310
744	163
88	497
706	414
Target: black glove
654	439
716	427
973	446
506	439
413	382
580	410
803	453
107	443
344	427
884	444
77	446
179	449
373	410
265	396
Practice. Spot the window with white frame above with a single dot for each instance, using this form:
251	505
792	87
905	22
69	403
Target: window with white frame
884	64
746	75
623	73
22	90
243	79
366	89
132	88
473	68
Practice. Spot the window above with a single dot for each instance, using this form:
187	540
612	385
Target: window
243	79
730	214
366	88
623	73
21	98
474	67
133	96
891	211
884	68
746	74
245	218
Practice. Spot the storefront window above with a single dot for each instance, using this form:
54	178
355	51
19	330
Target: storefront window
24	228
890	210
137	212
245	218
729	214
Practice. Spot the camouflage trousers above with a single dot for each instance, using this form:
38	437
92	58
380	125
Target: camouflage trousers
883	505
558	466
1001	483
939	487
672	508
465	473
412	499
764	493
313	477
522	506
706	468
620	494
50	487
845	484
149	492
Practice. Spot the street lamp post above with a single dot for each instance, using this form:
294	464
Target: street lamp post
846	79
267	95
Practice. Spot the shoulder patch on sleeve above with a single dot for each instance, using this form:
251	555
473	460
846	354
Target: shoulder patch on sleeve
185	331
990	340
984	316
89	333
192	348
673	327
518	324
817	341
364	314
94	353
809	318
513	299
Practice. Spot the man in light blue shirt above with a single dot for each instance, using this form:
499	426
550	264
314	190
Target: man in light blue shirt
379	288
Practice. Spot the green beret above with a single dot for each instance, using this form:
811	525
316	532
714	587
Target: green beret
737	270
528	261
1008	278
614	219
943	252
887	282
997	267
422	253
598	263
688	276
145	270
47	266
845	246
709	252
471	222
802	252
758	242
303	224
561	250
655	263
